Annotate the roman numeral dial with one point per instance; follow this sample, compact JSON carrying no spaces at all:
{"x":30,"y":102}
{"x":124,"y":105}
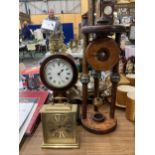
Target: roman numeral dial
{"x":59,"y":73}
{"x":60,"y":126}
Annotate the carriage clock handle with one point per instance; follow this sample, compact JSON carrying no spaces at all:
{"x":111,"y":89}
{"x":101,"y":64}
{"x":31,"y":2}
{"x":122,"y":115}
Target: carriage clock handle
{"x":60,"y":100}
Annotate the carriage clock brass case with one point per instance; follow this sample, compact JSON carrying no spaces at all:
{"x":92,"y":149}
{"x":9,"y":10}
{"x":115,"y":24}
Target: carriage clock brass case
{"x":59,"y":126}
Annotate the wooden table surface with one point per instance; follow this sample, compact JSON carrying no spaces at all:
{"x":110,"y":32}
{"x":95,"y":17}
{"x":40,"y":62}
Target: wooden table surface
{"x":119,"y":142}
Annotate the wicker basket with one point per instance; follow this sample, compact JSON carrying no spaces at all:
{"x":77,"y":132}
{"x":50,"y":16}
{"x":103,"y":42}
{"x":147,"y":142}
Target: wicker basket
{"x":130,"y":106}
{"x":121,"y":95}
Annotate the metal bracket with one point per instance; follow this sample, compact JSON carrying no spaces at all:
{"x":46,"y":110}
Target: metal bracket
{"x":115,"y":77}
{"x":85,"y":79}
{"x":95,"y":74}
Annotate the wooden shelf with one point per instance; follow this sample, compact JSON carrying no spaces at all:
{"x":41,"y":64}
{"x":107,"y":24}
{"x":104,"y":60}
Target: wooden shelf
{"x":129,"y":6}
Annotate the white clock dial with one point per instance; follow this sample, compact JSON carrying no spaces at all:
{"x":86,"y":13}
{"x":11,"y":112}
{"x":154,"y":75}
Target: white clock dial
{"x":58,"y":73}
{"x":107,"y":10}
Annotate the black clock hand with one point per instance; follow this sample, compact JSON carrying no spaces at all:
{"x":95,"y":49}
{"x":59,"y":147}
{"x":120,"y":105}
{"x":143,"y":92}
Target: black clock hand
{"x":60,"y":72}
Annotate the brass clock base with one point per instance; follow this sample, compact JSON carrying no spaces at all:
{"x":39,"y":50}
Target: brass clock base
{"x":60,"y":146}
{"x":104,"y":127}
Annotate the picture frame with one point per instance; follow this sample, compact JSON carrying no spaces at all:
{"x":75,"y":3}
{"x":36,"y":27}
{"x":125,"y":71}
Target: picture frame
{"x":48,"y":25}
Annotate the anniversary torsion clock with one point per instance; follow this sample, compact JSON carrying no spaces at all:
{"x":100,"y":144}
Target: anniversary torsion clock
{"x":58,"y":73}
{"x":102,"y":54}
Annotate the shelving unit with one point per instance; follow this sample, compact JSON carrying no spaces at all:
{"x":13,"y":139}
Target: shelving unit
{"x":126,"y":9}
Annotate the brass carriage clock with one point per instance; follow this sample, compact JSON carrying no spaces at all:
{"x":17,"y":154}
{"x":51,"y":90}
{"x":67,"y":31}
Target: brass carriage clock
{"x":58,"y":72}
{"x":102,"y":53}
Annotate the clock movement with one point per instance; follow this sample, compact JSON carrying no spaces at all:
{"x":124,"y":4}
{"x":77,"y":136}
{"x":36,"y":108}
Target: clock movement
{"x":58,"y":73}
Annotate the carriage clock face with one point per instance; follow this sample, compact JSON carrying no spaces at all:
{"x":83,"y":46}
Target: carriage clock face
{"x":58,"y":72}
{"x":60,"y":126}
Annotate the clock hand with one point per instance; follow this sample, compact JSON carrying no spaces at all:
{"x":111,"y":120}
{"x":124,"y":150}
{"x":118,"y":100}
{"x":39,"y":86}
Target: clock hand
{"x":60,"y":72}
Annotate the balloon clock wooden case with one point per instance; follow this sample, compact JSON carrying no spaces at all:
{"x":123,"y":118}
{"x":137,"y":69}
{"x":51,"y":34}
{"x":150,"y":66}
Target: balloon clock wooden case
{"x":102,"y":53}
{"x":58,"y":72}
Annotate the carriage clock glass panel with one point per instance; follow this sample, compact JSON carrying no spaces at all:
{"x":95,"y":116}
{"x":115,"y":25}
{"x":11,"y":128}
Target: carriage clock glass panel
{"x":58,"y":73}
{"x":66,"y":121}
